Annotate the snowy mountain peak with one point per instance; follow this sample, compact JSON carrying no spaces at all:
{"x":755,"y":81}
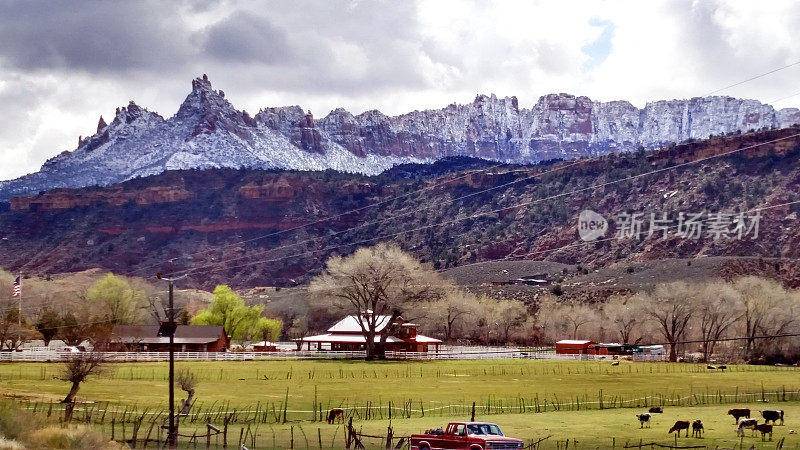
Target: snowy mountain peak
{"x":209,"y":132}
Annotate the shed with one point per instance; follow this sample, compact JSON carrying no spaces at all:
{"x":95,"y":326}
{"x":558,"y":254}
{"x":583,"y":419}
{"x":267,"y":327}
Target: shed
{"x":154,"y":338}
{"x":574,"y":347}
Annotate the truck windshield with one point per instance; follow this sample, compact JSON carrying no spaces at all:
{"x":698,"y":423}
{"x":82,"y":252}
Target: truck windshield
{"x":484,"y":429}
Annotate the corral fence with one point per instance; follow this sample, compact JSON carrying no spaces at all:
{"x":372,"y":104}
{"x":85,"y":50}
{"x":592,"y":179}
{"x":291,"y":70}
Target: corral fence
{"x":462,"y":353}
{"x":220,"y":426}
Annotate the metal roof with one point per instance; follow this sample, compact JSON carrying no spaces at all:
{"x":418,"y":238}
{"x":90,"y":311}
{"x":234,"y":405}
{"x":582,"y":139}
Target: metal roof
{"x":149,"y":334}
{"x":360,"y":339}
{"x":350,"y":324}
{"x":574,"y":342}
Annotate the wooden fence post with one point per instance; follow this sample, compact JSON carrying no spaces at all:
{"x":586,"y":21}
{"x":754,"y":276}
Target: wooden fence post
{"x":225,"y":432}
{"x":388,"y":438}
{"x":348,"y":434}
{"x":472,"y":417}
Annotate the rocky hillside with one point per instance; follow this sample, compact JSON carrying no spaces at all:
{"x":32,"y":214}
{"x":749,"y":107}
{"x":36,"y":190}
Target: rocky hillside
{"x":269,"y":227}
{"x":208,"y":132}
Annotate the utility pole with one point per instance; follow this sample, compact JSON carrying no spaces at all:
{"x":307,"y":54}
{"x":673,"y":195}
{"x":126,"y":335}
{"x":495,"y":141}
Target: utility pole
{"x":169,"y":327}
{"x":19,"y":312}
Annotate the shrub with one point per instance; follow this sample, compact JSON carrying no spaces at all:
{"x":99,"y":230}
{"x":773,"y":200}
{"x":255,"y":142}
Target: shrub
{"x":14,"y":421}
{"x":6,"y":444}
{"x":75,"y":437}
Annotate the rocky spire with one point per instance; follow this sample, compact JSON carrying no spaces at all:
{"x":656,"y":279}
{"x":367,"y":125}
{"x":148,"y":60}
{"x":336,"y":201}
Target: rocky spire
{"x":101,"y":124}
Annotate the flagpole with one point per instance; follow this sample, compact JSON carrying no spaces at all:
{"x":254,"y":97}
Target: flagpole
{"x":19,"y":312}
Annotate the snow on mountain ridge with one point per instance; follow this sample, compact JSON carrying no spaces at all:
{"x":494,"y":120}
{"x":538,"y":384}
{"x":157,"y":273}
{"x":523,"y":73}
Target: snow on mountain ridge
{"x":208,"y":132}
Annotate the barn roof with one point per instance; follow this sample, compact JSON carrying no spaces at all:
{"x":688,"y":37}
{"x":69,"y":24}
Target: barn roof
{"x":360,"y":339}
{"x":150,"y":334}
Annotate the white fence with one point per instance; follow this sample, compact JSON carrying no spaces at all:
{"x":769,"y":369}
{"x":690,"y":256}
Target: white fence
{"x":462,"y":353}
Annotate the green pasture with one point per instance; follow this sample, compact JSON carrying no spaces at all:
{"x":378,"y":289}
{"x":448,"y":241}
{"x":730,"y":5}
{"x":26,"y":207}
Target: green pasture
{"x":593,"y":403}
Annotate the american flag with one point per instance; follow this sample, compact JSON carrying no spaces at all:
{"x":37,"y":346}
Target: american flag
{"x":17,"y":288}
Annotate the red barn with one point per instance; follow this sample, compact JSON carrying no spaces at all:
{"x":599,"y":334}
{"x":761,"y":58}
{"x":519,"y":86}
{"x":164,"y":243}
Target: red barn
{"x":347,"y":335}
{"x":574,"y":347}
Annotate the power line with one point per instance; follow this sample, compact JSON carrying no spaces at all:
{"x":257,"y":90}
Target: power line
{"x":326,"y":219}
{"x":386,"y":219}
{"x":498,"y":210}
{"x":753,"y":78}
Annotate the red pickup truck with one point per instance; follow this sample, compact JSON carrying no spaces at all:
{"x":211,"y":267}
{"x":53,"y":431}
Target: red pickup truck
{"x":464,"y":435}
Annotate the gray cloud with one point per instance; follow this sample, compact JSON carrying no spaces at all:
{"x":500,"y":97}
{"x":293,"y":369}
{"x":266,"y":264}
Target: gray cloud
{"x":96,"y":37}
{"x":247,"y":39}
{"x":63,"y":63}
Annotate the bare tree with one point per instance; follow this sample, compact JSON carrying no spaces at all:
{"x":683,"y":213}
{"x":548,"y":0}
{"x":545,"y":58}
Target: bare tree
{"x":298,"y":330}
{"x":766,"y":309}
{"x":14,"y":329}
{"x":375,"y":285}
{"x":78,"y":368}
{"x":625,"y":314}
{"x":507,"y":315}
{"x":447,"y":316}
{"x":558,"y":318}
{"x":187,"y":382}
{"x":717,"y":312}
{"x":671,"y":308}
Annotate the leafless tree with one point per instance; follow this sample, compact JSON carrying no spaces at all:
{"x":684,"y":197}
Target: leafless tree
{"x":625,"y":314}
{"x":375,"y":284}
{"x":78,"y":368}
{"x":717,"y":312}
{"x":767,"y":309}
{"x":298,"y":330}
{"x":671,"y":308}
{"x":187,"y":382}
{"x":558,"y":318}
{"x":447,"y":316}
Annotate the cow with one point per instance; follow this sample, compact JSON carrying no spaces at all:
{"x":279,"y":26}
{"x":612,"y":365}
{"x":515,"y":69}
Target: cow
{"x":644,"y":419}
{"x":746,"y":423}
{"x":697,"y":428}
{"x":765,"y":429}
{"x":335,"y":413}
{"x":656,"y":410}
{"x":738,"y":413}
{"x":680,"y":425}
{"x":772,"y":416}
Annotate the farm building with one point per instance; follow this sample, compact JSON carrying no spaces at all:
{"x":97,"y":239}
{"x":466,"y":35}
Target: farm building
{"x":574,"y":347}
{"x":265,"y":346}
{"x":346,"y":335}
{"x":155,"y":338}
{"x":612,"y":349}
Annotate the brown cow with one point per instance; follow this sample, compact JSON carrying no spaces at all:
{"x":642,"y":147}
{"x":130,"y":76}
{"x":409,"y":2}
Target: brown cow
{"x":656,"y":410}
{"x":765,"y":429}
{"x":697,"y":428}
{"x":738,"y":413}
{"x":335,"y":413}
{"x":680,"y":425}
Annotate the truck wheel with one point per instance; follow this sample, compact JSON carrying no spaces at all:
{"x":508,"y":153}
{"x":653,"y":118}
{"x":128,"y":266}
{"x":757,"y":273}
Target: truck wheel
{"x":424,"y":447}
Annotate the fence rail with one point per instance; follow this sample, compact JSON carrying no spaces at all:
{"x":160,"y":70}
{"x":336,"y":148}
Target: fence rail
{"x":461,"y":354}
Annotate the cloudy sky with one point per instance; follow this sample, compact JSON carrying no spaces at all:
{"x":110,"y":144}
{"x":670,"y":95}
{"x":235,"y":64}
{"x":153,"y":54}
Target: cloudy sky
{"x":64,"y":63}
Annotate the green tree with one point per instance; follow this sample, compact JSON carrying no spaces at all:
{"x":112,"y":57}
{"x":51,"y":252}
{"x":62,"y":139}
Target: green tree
{"x":242,"y":323}
{"x":47,"y":325}
{"x":269,"y":329}
{"x":113,"y":299}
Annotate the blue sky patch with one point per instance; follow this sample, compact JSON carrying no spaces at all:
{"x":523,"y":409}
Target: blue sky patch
{"x":599,"y":49}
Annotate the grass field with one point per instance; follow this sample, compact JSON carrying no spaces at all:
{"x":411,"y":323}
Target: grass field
{"x":529,"y":399}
